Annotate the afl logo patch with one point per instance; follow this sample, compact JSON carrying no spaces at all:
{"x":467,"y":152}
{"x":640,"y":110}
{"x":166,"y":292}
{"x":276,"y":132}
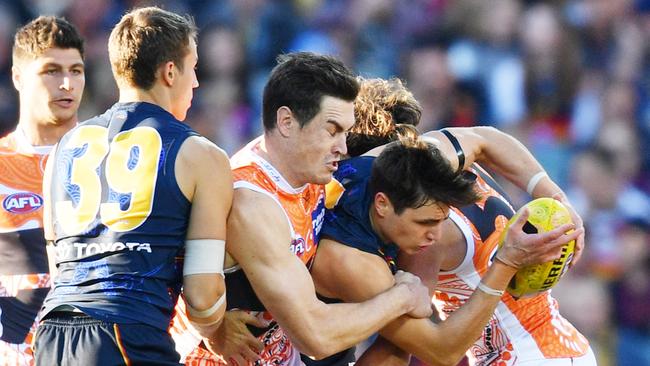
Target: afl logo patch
{"x":22,"y":202}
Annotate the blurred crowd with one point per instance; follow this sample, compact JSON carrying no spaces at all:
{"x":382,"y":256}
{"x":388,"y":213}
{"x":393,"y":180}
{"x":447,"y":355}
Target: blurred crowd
{"x":569,"y":78}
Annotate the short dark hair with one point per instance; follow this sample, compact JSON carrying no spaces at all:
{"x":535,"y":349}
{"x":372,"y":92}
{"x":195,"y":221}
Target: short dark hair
{"x":300,"y":81}
{"x":381,"y":106}
{"x":146,"y":38}
{"x":412,"y":173}
{"x":43,"y":33}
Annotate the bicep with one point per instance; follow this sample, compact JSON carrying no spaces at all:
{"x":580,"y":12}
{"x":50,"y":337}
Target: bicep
{"x":259,"y":238}
{"x":212,"y":191}
{"x":470,"y":142}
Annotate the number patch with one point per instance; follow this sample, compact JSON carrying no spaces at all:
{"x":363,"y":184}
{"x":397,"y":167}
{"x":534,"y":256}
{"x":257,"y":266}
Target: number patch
{"x":130,"y":172}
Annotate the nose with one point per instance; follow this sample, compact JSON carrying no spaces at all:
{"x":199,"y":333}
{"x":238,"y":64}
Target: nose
{"x":65,"y":84}
{"x":341,"y":146}
{"x":434,"y":234}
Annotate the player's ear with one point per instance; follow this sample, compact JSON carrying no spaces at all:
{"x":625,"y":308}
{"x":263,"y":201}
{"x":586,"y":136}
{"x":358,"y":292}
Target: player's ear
{"x":15,"y":77}
{"x":382,"y":204}
{"x":285,"y":121}
{"x":167,"y":73}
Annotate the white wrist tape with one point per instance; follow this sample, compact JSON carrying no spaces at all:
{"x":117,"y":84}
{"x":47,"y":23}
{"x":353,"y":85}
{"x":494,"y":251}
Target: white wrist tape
{"x":202,"y":314}
{"x":534,"y":180}
{"x":489,"y":290}
{"x":204,"y":256}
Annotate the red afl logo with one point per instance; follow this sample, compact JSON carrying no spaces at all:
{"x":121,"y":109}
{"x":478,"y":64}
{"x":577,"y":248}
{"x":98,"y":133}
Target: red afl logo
{"x":22,"y":202}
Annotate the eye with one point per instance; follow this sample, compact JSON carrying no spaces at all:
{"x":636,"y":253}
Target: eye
{"x":77,"y":72}
{"x":51,"y":71}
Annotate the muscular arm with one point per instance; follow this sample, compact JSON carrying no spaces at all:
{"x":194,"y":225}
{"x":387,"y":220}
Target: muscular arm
{"x":359,"y":277}
{"x":258,"y":238}
{"x":204,"y":176}
{"x":510,"y":158}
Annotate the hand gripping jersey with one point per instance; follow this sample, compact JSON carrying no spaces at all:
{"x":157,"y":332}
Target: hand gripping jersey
{"x":304,"y":210}
{"x":520,"y":330}
{"x":24,"y":277}
{"x":119,"y":217}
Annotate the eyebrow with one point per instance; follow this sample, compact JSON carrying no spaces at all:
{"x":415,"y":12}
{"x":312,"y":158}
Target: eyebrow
{"x":56,"y":64}
{"x":425,"y":221}
{"x":338,"y":125}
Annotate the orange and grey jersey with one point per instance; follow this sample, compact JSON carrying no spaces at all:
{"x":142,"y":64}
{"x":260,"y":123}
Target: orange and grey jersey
{"x":24,"y":277}
{"x":521,"y":330}
{"x":304,"y":210}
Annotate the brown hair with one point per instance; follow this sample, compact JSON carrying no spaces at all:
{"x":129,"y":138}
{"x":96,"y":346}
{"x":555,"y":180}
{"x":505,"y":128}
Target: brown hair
{"x":43,"y":33}
{"x":146,"y":38}
{"x":379,"y":108}
{"x":413,"y":173}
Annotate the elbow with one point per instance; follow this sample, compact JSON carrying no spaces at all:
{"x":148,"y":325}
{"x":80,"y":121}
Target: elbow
{"x":202,"y":291}
{"x":317,"y":346}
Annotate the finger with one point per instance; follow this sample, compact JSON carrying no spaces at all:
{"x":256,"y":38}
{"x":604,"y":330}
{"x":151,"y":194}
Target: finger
{"x":577,"y":254}
{"x":562,"y":239}
{"x":235,"y":361}
{"x":554,"y":248}
{"x":255,"y":344}
{"x":255,"y":321}
{"x":557,"y":233}
{"x":518,"y":225}
{"x":249,"y":355}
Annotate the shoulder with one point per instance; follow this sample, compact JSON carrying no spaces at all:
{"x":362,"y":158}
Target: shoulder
{"x":199,"y":152}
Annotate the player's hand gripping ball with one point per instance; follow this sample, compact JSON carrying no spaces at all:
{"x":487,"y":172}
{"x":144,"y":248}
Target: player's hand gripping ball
{"x":545,"y":215}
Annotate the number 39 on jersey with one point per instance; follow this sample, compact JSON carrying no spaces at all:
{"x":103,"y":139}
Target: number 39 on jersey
{"x":129,"y":175}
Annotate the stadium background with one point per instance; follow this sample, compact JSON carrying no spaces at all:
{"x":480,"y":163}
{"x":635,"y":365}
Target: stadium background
{"x":569,"y":78}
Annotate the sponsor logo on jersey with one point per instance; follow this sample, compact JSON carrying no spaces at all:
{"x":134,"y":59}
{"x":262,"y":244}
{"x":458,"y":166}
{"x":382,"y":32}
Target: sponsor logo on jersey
{"x":298,"y":245}
{"x":67,"y":250}
{"x":22,"y":202}
{"x":317,"y":218}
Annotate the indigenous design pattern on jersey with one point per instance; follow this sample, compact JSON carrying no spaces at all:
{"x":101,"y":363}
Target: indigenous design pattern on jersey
{"x":520,"y":330}
{"x":348,"y":200}
{"x":304,"y":209}
{"x":119,"y":217}
{"x":24,"y":277}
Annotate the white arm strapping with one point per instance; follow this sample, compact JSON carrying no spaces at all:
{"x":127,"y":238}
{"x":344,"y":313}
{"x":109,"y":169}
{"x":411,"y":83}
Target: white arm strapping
{"x":204,"y":256}
{"x":202,"y":314}
{"x":534,"y":180}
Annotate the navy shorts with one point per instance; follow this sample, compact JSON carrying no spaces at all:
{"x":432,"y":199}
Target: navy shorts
{"x":68,"y":339}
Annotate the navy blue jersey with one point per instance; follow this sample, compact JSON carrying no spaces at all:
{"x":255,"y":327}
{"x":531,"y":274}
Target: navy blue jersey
{"x":347,"y":219}
{"x":119,"y":217}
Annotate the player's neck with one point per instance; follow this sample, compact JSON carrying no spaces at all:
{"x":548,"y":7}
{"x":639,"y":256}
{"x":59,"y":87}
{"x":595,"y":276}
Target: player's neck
{"x":274,"y":152}
{"x":44,"y":134}
{"x":153,"y":96}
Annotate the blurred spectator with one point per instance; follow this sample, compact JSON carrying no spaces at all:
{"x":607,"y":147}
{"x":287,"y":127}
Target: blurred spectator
{"x":570,"y":78}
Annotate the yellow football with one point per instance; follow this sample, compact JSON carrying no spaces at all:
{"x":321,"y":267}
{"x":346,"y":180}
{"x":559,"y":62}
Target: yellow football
{"x":546,"y":214}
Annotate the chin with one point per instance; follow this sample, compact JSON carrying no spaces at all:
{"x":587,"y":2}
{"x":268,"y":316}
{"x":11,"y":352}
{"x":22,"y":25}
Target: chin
{"x":323,"y":179}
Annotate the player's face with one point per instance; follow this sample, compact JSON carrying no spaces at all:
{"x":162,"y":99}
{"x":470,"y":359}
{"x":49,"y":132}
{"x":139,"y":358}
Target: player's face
{"x":416,"y":229}
{"x":183,"y":89}
{"x":51,"y":86}
{"x":321,"y":142}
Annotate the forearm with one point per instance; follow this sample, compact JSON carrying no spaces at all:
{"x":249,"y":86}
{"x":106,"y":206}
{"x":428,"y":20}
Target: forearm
{"x":446,"y":343}
{"x":330,"y":328}
{"x":507,"y":156}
